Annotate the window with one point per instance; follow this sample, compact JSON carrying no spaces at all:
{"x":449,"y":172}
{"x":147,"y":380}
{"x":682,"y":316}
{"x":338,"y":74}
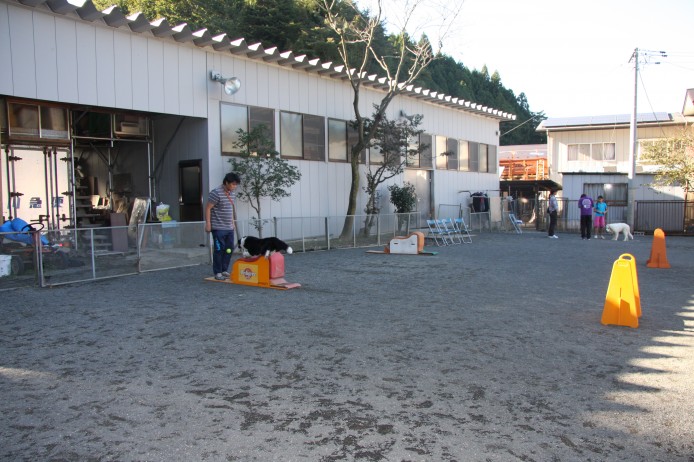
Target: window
{"x":291,"y":134}
{"x":235,"y":117}
{"x":473,"y":156}
{"x":421,"y":159}
{"x":302,"y":136}
{"x":337,"y":140}
{"x":614,"y":193}
{"x":483,"y":154}
{"x":452,"y":153}
{"x":375,"y":156}
{"x":492,"y":164}
{"x":31,"y":121}
{"x":440,"y":152}
{"x":352,"y":140}
{"x":464,"y":156}
{"x":597,"y":152}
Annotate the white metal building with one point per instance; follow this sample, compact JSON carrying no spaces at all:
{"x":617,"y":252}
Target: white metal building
{"x":124,"y":107}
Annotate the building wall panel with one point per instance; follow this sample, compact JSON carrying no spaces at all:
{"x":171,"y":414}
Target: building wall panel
{"x":105,"y":67}
{"x":170,"y":80}
{"x":45,"y":56}
{"x":155,"y":76}
{"x":66,"y":65}
{"x":123,"y":70}
{"x":5,"y":50}
{"x":23,"y":63}
{"x":86,"y":64}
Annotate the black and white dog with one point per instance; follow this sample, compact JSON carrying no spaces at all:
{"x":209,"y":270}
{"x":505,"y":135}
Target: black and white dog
{"x":252,"y":246}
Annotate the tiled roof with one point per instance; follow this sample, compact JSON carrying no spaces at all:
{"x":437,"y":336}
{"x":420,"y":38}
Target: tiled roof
{"x":114,"y":17}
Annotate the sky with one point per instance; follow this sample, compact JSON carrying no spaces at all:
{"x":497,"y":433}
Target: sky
{"x":570,"y":58}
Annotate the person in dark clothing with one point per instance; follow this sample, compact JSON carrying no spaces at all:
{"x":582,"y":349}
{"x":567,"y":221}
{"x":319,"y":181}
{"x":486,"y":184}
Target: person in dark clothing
{"x":585,"y":204}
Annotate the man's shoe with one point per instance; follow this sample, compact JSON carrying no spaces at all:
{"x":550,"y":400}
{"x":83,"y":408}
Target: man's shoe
{"x":595,"y":237}
{"x":219,"y":277}
{"x":226,"y":274}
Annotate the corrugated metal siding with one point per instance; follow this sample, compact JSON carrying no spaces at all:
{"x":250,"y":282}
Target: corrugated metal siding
{"x":63,"y":58}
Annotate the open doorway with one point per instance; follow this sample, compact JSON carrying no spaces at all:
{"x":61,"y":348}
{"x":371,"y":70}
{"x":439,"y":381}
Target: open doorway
{"x":190,"y":190}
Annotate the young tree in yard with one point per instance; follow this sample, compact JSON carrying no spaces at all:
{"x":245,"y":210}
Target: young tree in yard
{"x":391,"y":150}
{"x":263,"y":173}
{"x":674,"y":157}
{"x":404,"y":198}
{"x":356,"y":33}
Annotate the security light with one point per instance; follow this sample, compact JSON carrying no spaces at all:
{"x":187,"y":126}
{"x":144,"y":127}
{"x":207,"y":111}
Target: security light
{"x":231,"y":84}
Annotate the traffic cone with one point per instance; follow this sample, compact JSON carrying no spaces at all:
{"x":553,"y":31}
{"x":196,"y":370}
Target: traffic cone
{"x":658,"y":253}
{"x":623,"y":301}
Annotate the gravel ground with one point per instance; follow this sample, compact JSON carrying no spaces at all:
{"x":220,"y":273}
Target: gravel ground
{"x":486,"y":352}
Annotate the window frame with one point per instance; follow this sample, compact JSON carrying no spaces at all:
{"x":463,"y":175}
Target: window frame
{"x":615,"y":194}
{"x":584,"y":152}
{"x":252,"y":120}
{"x":313,"y":145}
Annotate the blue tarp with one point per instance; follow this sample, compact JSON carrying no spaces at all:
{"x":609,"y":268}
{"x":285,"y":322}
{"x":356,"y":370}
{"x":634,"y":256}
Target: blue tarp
{"x":20,"y":228}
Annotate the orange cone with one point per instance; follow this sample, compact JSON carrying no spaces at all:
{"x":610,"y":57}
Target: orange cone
{"x":622,"y":302}
{"x":658,"y":253}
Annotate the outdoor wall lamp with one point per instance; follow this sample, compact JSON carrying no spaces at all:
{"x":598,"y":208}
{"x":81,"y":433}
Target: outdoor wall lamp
{"x":231,"y":84}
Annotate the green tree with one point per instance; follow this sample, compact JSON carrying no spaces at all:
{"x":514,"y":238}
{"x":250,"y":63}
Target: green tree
{"x":264,"y":174}
{"x":404,"y":198}
{"x":391,"y":140}
{"x":675,"y":159}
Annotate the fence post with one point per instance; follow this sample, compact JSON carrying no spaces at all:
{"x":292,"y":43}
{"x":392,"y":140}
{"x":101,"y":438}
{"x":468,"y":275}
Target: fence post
{"x":378,"y":229}
{"x":91,"y":247}
{"x":38,"y":257}
{"x":274,"y":224}
{"x":327,"y":231}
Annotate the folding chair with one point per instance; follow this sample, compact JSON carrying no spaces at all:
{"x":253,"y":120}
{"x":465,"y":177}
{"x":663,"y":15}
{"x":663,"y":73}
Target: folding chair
{"x":462,"y":228}
{"x":449,"y":228}
{"x":515,"y":222}
{"x":436,"y":233}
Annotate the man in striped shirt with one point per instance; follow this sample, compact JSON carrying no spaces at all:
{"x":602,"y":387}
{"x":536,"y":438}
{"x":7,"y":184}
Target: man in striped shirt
{"x":219,"y":220}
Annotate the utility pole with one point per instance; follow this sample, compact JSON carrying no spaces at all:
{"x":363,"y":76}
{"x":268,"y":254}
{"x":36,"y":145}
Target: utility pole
{"x":633,"y":146}
{"x":633,"y":138}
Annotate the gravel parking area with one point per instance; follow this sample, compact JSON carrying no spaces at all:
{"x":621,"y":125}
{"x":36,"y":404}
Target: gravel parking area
{"x":492,"y":351}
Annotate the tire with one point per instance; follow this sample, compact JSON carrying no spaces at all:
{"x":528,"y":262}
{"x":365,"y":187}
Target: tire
{"x":16,"y":265}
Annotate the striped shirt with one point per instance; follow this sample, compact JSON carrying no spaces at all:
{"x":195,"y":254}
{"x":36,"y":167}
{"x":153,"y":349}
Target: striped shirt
{"x":222,"y":214}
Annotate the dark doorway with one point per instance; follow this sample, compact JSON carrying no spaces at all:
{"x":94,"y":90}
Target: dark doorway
{"x":190,"y":190}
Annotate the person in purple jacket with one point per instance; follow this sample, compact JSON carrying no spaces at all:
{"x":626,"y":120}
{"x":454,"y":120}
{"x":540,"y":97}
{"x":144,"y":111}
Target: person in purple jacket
{"x":585,"y":203}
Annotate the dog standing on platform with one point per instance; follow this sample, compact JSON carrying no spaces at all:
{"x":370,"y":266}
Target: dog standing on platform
{"x":618,"y":228}
{"x":252,"y":246}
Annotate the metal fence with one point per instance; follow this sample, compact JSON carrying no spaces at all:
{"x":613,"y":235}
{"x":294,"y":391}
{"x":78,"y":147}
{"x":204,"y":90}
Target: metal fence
{"x":673,"y":217}
{"x":69,"y":256}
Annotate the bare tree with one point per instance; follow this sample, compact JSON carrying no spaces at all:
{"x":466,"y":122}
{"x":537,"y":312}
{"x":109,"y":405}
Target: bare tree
{"x":355,"y":37}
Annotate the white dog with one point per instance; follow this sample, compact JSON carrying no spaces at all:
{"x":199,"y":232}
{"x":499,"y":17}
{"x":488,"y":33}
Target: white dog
{"x":617,"y":228}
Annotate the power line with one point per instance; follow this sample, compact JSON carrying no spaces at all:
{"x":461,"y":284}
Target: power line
{"x":520,"y":125}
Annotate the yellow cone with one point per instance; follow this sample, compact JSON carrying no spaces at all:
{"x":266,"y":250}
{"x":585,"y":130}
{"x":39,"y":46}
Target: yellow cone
{"x":623,"y":301}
